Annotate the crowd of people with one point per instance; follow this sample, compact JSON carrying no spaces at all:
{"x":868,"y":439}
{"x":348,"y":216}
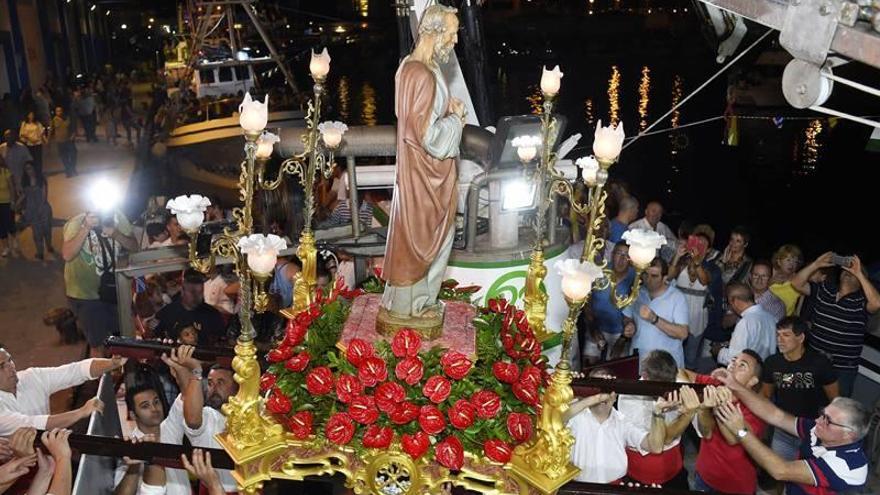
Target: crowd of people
{"x":776,"y":343}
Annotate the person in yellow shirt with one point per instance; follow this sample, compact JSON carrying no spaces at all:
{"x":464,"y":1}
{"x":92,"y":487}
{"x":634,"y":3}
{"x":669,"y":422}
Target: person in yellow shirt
{"x":787,"y":260}
{"x":7,"y":199}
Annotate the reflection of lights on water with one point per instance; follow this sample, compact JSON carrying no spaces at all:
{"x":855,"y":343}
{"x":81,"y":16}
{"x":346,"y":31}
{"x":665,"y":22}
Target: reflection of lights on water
{"x":812,"y":146}
{"x":535,"y":99}
{"x":614,"y":95}
{"x":344,"y":99}
{"x":588,"y":111}
{"x":368,"y":97}
{"x":363,"y":7}
{"x":676,"y":97}
{"x":644,"y":90}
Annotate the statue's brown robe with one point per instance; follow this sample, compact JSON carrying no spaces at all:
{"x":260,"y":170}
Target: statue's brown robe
{"x":425,"y":195}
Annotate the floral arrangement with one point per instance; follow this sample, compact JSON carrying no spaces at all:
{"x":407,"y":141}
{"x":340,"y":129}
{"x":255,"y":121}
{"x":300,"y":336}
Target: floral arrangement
{"x":439,"y":403}
{"x":450,"y":290}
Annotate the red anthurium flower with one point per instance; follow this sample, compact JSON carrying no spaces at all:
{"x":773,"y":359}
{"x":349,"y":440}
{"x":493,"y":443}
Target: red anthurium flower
{"x":388,"y":396}
{"x":461,"y":414}
{"x":315,"y":309}
{"x":319,"y":381}
{"x":267,"y":381}
{"x":298,"y":362}
{"x":437,"y":389}
{"x":406,"y":343}
{"x":358,"y":351}
{"x":431,"y":420}
{"x":526,"y":392}
{"x":410,"y":370}
{"x":455,"y":364}
{"x":303,"y":319}
{"x":404,"y":413}
{"x":498,"y":450}
{"x":450,"y":453}
{"x":339,"y":428}
{"x":347,"y":387}
{"x":378,"y":437}
{"x":363,"y":409}
{"x":505,"y":372}
{"x":519,"y":425}
{"x":282,"y":353}
{"x":377,"y":270}
{"x":278,"y":403}
{"x":301,"y":424}
{"x":295,"y":332}
{"x":498,"y":305}
{"x":373,"y":371}
{"x":532,"y":375}
{"x":487,"y":403}
{"x":415,"y":445}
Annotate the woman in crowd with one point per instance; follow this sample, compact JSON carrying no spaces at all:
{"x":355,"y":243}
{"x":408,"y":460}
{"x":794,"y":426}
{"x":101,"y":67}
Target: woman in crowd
{"x":735,"y":264}
{"x":7,"y":218}
{"x":34,"y":136}
{"x":36,"y":209}
{"x":787,"y":260}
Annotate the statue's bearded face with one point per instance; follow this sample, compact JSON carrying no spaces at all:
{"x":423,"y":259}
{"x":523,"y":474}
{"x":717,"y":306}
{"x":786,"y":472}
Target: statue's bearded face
{"x":447,"y":40}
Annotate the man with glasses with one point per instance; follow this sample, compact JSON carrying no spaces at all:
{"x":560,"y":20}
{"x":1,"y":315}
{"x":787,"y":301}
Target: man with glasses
{"x":832,"y":459}
{"x":659,"y":314}
{"x":759,"y":280}
{"x":605,"y":319}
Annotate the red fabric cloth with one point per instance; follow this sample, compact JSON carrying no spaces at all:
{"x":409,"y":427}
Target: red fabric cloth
{"x":728,"y":468}
{"x":654,"y":468}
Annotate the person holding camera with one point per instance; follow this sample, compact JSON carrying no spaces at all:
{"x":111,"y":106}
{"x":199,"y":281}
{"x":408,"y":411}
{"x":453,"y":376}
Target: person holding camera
{"x":91,"y":244}
{"x":841,"y":307}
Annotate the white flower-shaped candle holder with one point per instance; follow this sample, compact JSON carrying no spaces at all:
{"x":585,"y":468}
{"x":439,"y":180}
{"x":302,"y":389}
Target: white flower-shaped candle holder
{"x":331,"y":133}
{"x":262,"y":252}
{"x":526,"y":147}
{"x":253,"y":114}
{"x":577,"y":278}
{"x":551,"y":80}
{"x":643,"y":246}
{"x":590,"y":168}
{"x":607,"y":143}
{"x":319,"y":65}
{"x":266,"y":145}
{"x":190,"y":210}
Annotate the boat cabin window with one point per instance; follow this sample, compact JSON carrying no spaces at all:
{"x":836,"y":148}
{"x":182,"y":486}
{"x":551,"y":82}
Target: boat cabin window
{"x":242,"y":73}
{"x":206,"y":76}
{"x":225,"y":74}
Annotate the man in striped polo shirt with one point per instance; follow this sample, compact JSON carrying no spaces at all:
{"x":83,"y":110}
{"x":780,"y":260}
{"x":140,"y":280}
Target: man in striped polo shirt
{"x":841,"y":307}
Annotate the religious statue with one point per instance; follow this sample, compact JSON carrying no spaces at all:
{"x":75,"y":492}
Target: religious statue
{"x":421,"y":229}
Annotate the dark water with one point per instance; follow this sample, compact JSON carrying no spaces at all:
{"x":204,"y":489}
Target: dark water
{"x":804,"y":181}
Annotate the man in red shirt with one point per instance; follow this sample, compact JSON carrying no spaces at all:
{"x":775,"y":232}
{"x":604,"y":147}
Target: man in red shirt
{"x":723,"y":466}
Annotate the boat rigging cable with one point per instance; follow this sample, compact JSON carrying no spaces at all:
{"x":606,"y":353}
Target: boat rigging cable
{"x":700,"y":88}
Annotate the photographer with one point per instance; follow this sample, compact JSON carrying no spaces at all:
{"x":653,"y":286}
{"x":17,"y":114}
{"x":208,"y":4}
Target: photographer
{"x":92,"y":242}
{"x":841,"y":307}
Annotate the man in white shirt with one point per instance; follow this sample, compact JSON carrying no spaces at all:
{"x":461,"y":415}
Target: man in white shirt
{"x":756,"y":329}
{"x":24,"y":395}
{"x":665,"y":468}
{"x":651,"y":221}
{"x":201,"y":421}
{"x":146,"y":409}
{"x":601,"y":435}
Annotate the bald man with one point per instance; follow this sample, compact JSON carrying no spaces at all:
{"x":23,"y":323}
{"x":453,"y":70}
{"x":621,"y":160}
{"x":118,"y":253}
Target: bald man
{"x":756,"y":328}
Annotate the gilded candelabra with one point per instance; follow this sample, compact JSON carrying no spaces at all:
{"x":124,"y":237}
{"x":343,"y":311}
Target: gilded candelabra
{"x":545,"y":460}
{"x":253,"y":438}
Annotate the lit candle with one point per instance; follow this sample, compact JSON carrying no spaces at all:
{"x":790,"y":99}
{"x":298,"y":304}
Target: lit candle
{"x":590,"y":168}
{"x":254,"y":114}
{"x":577,"y":278}
{"x":643,"y":246}
{"x":262,"y":252}
{"x":319,"y":65}
{"x":608,"y":142}
{"x":266,"y":144}
{"x":189,"y":210}
{"x":550,"y":81}
{"x":331,"y":133}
